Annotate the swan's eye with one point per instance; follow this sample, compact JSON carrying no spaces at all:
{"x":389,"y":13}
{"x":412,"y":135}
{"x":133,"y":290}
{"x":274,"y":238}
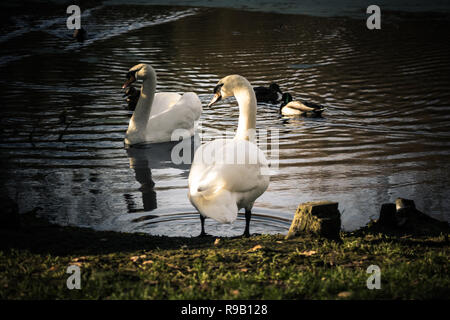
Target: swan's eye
{"x":131,"y":74}
{"x":218,"y":88}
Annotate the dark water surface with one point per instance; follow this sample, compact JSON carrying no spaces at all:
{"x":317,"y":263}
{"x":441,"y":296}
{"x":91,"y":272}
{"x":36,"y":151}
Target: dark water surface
{"x":385,"y":132}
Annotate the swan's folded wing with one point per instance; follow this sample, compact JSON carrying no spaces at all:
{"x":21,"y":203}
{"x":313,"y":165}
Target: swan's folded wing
{"x":234,"y":165}
{"x":191,"y":100}
{"x":182,"y":113}
{"x":164,"y":101}
{"x":174,"y":121}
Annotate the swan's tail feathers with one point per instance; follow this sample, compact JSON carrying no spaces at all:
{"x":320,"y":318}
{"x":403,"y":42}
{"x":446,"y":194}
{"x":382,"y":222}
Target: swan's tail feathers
{"x":219,"y":204}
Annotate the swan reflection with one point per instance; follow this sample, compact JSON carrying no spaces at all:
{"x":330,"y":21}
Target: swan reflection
{"x":144,"y":158}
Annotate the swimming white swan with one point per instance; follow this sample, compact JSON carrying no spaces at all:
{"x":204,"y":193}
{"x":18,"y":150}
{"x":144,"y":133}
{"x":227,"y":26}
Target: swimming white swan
{"x":229,"y":174}
{"x":157,"y":116}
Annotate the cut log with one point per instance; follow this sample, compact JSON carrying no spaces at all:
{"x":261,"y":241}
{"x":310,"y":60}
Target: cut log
{"x":387,"y":215}
{"x":405,"y":210}
{"x":403,"y":217}
{"x":320,"y":218}
{"x":409,"y":218}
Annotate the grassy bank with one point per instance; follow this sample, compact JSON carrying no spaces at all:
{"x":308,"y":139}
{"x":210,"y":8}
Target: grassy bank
{"x":34,"y":259}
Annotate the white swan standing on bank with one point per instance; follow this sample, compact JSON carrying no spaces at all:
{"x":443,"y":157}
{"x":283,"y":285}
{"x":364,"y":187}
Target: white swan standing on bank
{"x":229,"y":174}
{"x":158,"y":115}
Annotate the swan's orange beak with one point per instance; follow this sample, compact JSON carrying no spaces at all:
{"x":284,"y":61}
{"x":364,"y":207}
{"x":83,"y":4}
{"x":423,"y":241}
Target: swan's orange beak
{"x":217,"y":97}
{"x":129,"y":81}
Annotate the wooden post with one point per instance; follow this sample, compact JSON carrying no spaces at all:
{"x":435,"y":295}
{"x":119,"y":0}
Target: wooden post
{"x":387,"y":215}
{"x":320,"y":218}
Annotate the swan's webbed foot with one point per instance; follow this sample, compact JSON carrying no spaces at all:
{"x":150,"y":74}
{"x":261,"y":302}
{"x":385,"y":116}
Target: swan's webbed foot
{"x":203,"y":235}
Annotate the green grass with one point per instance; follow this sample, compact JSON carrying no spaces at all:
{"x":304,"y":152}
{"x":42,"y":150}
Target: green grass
{"x":34,"y":259}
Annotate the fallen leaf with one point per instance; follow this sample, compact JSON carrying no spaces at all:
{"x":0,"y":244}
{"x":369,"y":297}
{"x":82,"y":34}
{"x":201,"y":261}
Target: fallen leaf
{"x":255,"y":248}
{"x":244,"y":269}
{"x":344,"y":294}
{"x":217,"y":242}
{"x":135,"y":258}
{"x":79,"y":259}
{"x":76,"y":264}
{"x":147,"y":262}
{"x":307,"y":253}
{"x":235,"y":292}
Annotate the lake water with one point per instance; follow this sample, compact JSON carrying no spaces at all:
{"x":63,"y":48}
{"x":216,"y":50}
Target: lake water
{"x":385,"y":132}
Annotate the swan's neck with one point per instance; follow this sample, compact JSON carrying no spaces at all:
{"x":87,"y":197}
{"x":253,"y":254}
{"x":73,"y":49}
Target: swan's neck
{"x":247,"y":113}
{"x":141,"y":115}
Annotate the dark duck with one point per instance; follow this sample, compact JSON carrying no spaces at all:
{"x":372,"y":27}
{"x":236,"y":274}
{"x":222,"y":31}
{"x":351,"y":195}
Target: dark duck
{"x":272,"y":94}
{"x":80,"y":34}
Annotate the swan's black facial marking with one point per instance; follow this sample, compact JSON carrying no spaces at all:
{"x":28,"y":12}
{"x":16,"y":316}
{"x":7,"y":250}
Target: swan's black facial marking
{"x":218,"y":88}
{"x":217,"y":94}
{"x":131,"y":74}
{"x":131,"y":77}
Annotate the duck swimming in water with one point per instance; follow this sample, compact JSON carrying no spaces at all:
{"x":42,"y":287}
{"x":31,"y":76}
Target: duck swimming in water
{"x":289,"y":107}
{"x":272,"y":94}
{"x":80,"y":34}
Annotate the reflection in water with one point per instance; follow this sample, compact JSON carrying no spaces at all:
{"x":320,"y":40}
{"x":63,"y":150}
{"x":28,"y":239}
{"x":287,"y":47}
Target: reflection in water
{"x":144,"y":177}
{"x":145,"y":157}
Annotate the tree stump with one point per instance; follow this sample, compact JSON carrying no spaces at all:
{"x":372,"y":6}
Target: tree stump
{"x":387,"y":215}
{"x":320,"y":218}
{"x":405,"y":218}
